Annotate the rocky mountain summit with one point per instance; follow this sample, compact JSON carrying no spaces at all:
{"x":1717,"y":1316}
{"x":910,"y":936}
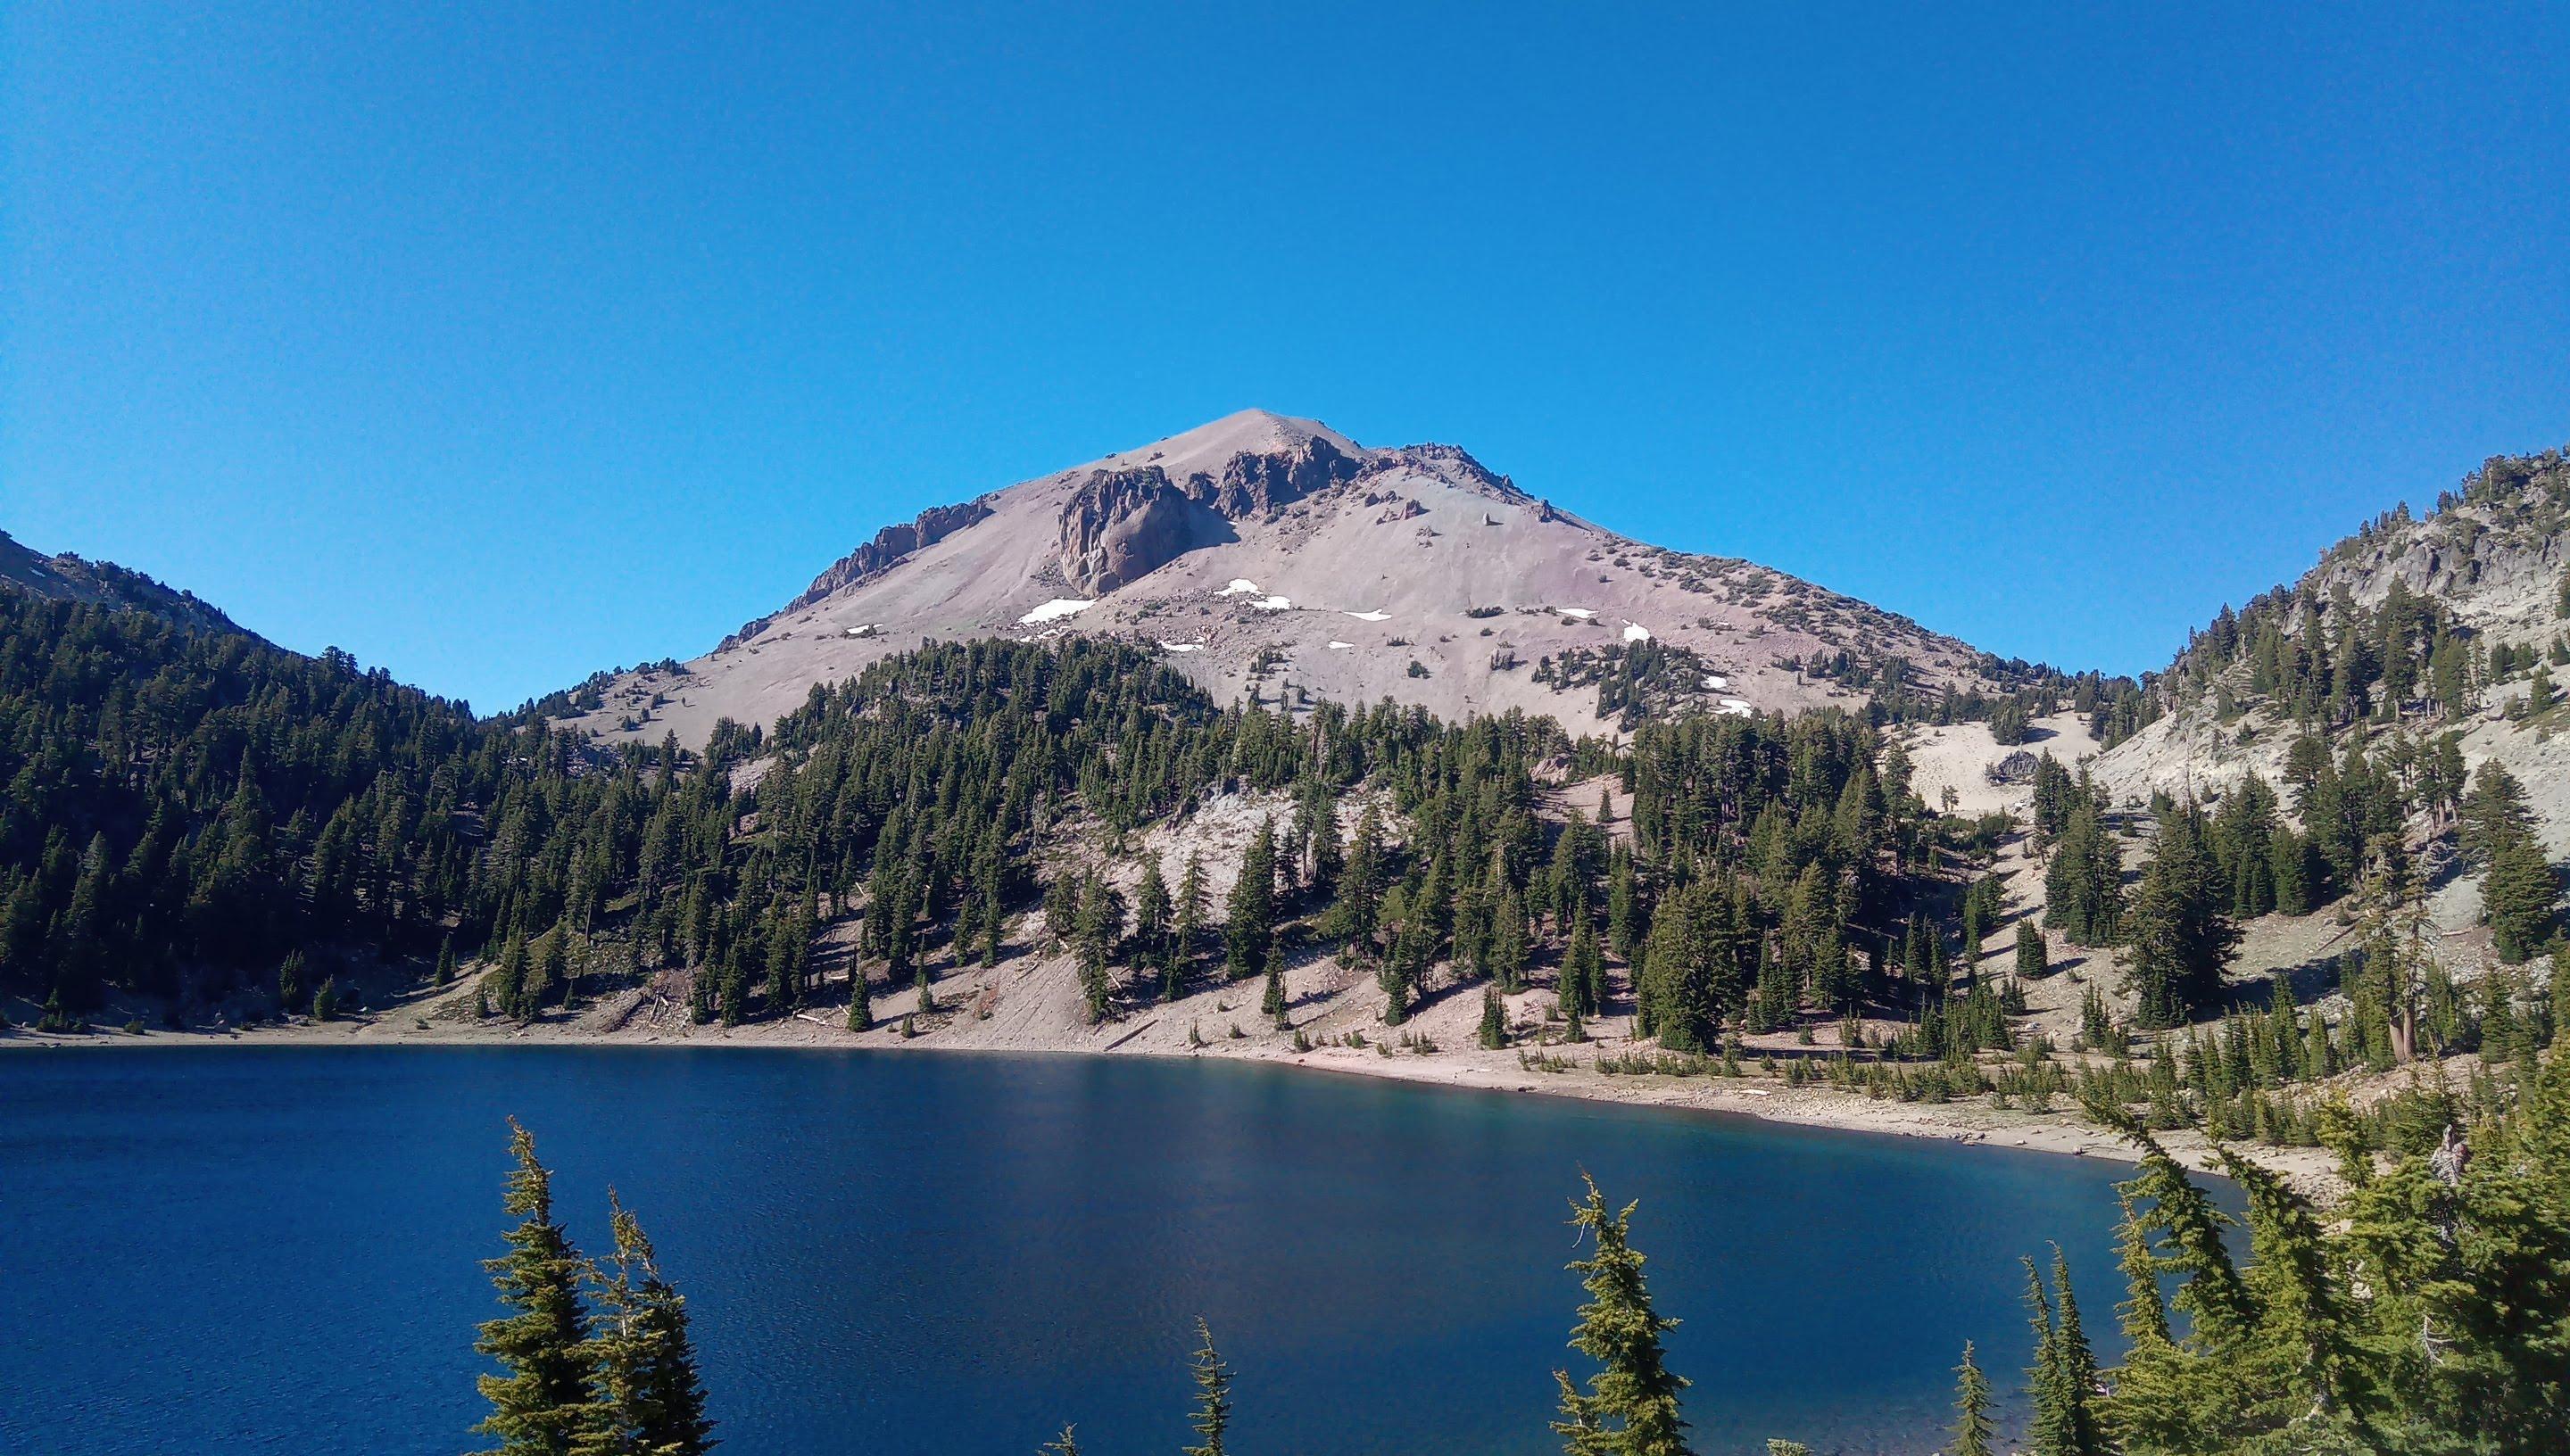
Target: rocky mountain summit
{"x":1276,"y":556}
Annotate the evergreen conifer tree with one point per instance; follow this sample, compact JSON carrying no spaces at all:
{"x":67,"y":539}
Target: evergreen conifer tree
{"x":541,"y":1402}
{"x":290,"y":982}
{"x":1630,"y":1407}
{"x":2520,"y":895}
{"x":1251,"y":923}
{"x":2032,"y":958}
{"x":1971,"y":1407}
{"x":861,"y":1000}
{"x":1272,"y":1001}
{"x":1214,"y":1396}
{"x":648,"y":1400}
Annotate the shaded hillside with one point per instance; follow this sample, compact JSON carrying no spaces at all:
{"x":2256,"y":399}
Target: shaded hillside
{"x":67,"y":577}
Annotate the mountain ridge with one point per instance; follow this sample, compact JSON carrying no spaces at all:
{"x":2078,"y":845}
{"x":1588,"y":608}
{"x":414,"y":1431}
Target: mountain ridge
{"x":1267,"y":554}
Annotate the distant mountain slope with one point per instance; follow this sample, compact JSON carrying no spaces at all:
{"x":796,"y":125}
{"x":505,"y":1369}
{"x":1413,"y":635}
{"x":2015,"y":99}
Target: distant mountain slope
{"x":1262,"y":553}
{"x":68,"y":577}
{"x":2435,"y":623}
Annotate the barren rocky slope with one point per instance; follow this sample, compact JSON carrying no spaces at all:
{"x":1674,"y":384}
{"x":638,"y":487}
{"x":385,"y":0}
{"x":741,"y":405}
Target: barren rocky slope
{"x":1272,"y":554}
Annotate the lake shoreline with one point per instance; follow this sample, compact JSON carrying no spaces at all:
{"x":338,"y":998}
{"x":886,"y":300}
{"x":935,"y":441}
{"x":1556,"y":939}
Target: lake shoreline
{"x":1964,"y":1124}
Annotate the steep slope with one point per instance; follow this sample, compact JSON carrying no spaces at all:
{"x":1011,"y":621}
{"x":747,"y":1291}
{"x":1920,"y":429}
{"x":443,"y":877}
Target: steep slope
{"x":68,"y":577}
{"x":1263,"y":553}
{"x":2426,"y":624}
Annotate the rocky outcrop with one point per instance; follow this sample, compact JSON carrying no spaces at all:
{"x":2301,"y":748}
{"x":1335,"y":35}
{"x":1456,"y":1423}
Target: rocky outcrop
{"x":1262,"y":485}
{"x":888,"y":546}
{"x":1121,"y":525}
{"x":1448,"y":462}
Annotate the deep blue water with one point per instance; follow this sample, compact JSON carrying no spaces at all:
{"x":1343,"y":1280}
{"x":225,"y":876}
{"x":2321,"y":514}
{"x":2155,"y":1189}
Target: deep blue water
{"x":274,"y":1250}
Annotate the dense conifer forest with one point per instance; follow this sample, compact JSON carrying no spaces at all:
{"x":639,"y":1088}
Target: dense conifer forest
{"x":213,"y":822}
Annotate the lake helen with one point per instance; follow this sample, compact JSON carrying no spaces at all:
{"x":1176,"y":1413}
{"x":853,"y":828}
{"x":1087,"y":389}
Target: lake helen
{"x":214,"y":1249}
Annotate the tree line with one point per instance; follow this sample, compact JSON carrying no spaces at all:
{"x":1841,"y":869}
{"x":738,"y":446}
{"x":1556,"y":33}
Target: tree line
{"x":216,"y":823}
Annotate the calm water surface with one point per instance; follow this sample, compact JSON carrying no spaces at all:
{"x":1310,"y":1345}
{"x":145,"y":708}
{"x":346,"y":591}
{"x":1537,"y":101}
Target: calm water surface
{"x":213,"y":1249}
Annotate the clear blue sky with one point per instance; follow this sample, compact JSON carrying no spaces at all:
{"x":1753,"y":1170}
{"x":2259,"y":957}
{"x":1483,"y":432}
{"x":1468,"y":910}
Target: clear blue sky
{"x":500,"y":347}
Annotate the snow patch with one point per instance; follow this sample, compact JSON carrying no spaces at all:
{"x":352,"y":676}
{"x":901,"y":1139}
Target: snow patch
{"x":1273,"y":604}
{"x":1636,"y":632}
{"x":1242,"y":586}
{"x":1369,"y":616}
{"x":1182,"y":646}
{"x":1581,"y":612}
{"x":1341,"y":646}
{"x":1736,"y":708}
{"x":1716,"y":681}
{"x":1054,"y":610}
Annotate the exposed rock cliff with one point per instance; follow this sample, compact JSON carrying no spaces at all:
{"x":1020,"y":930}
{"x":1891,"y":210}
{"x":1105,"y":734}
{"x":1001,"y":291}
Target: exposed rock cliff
{"x":888,"y":546}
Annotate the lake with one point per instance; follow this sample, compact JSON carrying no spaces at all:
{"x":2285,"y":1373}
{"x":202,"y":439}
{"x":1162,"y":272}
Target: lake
{"x":274,"y":1248}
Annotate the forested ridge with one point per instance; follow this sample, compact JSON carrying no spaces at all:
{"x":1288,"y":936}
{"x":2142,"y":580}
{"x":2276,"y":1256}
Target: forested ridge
{"x":207,"y":820}
{"x":2313,"y":654}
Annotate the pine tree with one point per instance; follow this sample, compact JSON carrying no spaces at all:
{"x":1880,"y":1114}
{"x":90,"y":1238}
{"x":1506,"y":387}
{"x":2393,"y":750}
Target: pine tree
{"x":290,"y":982}
{"x":2065,"y":1373}
{"x":542,"y":1401}
{"x":1272,"y":1002}
{"x":2180,"y":923}
{"x":648,"y":1400}
{"x":2079,"y":1363}
{"x":1971,"y":1407}
{"x":1152,"y":910}
{"x":1213,"y":1395}
{"x":1187,"y":926}
{"x":1583,"y":973}
{"x":2083,"y":887}
{"x":2520,"y":895}
{"x":1099,"y":924}
{"x":1251,"y":923}
{"x":861,"y":1000}
{"x":1357,"y":910}
{"x":1630,"y":1407}
{"x":1508,"y":949}
{"x":2032,"y":958}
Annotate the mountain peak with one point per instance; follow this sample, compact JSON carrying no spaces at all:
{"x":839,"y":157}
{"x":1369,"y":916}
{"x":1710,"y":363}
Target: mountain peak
{"x":1207,"y":448}
{"x":1260,"y":549}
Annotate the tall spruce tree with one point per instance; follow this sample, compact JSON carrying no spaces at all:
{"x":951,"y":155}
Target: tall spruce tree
{"x":2033,"y":959}
{"x":2180,"y":924}
{"x":648,"y":1400}
{"x":2520,"y":894}
{"x":1212,"y":1377}
{"x":539,"y":1403}
{"x":1971,"y":1407}
{"x":1251,"y":923}
{"x":1630,"y":1406}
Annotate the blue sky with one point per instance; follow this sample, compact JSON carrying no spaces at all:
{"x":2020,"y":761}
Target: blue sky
{"x":499,"y":344}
